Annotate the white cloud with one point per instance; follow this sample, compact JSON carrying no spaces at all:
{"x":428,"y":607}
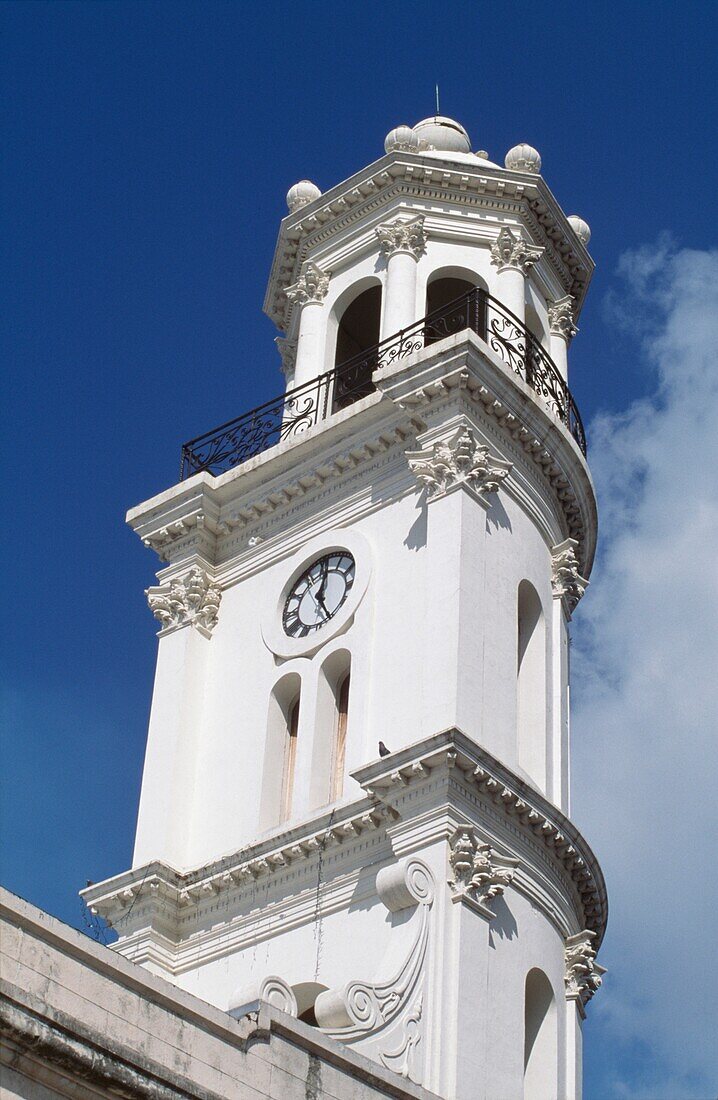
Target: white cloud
{"x":645,"y":675}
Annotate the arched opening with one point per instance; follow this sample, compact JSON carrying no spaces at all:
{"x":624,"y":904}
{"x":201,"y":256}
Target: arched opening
{"x":340,"y":738}
{"x":357,"y":337}
{"x":329,"y":752}
{"x":540,"y":1039}
{"x":445,"y":315}
{"x":535,"y":325}
{"x":531,"y":684}
{"x":280,"y":753}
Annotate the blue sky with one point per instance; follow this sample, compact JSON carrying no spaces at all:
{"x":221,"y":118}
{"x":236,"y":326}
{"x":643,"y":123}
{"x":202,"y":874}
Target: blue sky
{"x":148,"y":149}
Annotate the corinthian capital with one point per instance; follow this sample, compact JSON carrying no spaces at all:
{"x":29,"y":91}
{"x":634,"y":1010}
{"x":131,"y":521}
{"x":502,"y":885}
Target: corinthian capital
{"x":583,"y":973}
{"x":567,"y":583}
{"x":511,"y":252}
{"x":403,"y":236}
{"x":311,"y":286}
{"x":479,"y":872}
{"x":190,"y":601}
{"x":451,"y":463}
{"x":560,"y":316}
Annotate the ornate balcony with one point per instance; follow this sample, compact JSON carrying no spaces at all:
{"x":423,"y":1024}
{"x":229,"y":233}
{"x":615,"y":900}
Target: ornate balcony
{"x":292,"y":413}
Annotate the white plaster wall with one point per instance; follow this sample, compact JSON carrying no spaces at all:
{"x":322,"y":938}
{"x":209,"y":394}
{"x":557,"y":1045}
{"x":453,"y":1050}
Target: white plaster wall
{"x":433,"y":644}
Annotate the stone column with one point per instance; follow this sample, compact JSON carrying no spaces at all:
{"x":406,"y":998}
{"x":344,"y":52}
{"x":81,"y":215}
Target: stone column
{"x":513,"y":258}
{"x":403,"y":243}
{"x":309,"y":293}
{"x":563,"y":329}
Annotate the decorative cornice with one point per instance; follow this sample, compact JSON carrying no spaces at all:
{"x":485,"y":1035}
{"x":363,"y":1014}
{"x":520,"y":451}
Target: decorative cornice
{"x":510,"y":252}
{"x":452,"y":749}
{"x":456,"y":462}
{"x":583,"y":974}
{"x":403,"y":236}
{"x":192,"y":600}
{"x":560,"y":316}
{"x":311,"y":286}
{"x":173,"y":891}
{"x":567,"y":583}
{"x":479,"y":872}
{"x":288,"y":352}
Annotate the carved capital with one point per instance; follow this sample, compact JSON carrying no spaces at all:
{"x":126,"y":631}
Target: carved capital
{"x":403,"y":236}
{"x":479,"y":872}
{"x":567,"y":583}
{"x":288,"y":352}
{"x":560,"y":316}
{"x":458,"y":461}
{"x":509,"y":252}
{"x":190,"y":601}
{"x":583,"y":974}
{"x":311,"y":286}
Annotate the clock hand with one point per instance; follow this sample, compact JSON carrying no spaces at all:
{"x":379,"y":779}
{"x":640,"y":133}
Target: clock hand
{"x":322,"y":589}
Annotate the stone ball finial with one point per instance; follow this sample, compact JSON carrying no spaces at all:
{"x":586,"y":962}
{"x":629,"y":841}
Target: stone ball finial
{"x":301,"y":195}
{"x":402,"y":139}
{"x":523,"y":158}
{"x":580,"y":228}
{"x":443,"y":134}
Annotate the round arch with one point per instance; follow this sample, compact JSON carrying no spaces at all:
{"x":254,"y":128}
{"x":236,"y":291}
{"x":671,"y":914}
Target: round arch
{"x":445,"y":286}
{"x":353,"y":329}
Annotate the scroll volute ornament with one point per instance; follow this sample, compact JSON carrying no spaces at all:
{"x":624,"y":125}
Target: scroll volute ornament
{"x":583,"y":974}
{"x":458,"y":461}
{"x":480,"y":873}
{"x":192,"y":600}
{"x":311,"y":286}
{"x":566,"y":581}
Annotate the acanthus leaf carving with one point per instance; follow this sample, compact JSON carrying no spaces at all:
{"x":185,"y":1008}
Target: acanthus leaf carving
{"x":566,"y":581}
{"x":288,"y":352}
{"x":480,"y":873}
{"x":513,"y":253}
{"x":192,"y":600}
{"x":458,"y":461}
{"x":403,"y":236}
{"x":311,"y":286}
{"x":583,"y":974}
{"x":560,"y":316}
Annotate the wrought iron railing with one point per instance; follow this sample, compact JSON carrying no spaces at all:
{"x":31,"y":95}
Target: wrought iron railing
{"x":293,"y":412}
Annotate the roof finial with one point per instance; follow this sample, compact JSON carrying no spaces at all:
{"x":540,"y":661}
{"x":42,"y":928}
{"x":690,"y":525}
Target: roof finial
{"x":437,"y":102}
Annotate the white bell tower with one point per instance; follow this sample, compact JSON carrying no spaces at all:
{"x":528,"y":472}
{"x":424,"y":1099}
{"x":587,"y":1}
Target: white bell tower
{"x":356,"y":789}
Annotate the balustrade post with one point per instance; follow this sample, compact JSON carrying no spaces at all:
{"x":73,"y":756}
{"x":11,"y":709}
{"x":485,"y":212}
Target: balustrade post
{"x":562,"y":329}
{"x":403,"y":243}
{"x":309,"y":293}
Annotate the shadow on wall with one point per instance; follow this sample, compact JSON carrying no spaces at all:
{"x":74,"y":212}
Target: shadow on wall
{"x":497,"y":516}
{"x":417,"y":534}
{"x":504,"y":923}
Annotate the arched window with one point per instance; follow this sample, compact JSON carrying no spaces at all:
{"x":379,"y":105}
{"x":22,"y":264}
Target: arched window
{"x":290,"y":760}
{"x":540,"y":1039}
{"x":531,"y":684}
{"x":357,"y":337}
{"x":340,"y":738}
{"x":280,"y":752}
{"x":329,"y":750}
{"x":444,"y":317}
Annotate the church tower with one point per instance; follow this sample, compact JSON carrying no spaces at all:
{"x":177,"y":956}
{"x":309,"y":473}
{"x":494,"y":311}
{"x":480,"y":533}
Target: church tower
{"x":355,"y":801}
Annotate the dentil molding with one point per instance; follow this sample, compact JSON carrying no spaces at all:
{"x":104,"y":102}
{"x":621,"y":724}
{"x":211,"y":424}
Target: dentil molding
{"x":560,"y":316}
{"x":513,"y":253}
{"x":583,"y":974}
{"x":192,"y":600}
{"x":567,"y":583}
{"x":311,"y":286}
{"x":403,"y":236}
{"x":479,"y":872}
{"x":458,"y":462}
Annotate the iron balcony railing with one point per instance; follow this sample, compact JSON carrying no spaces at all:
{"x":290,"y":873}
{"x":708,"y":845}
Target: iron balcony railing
{"x":293,"y":412}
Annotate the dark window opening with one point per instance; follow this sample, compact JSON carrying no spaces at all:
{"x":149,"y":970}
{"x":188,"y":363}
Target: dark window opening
{"x":357,"y":337}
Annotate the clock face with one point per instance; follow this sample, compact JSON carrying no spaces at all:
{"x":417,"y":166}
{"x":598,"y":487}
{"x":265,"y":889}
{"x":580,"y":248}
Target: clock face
{"x":318,"y":594}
